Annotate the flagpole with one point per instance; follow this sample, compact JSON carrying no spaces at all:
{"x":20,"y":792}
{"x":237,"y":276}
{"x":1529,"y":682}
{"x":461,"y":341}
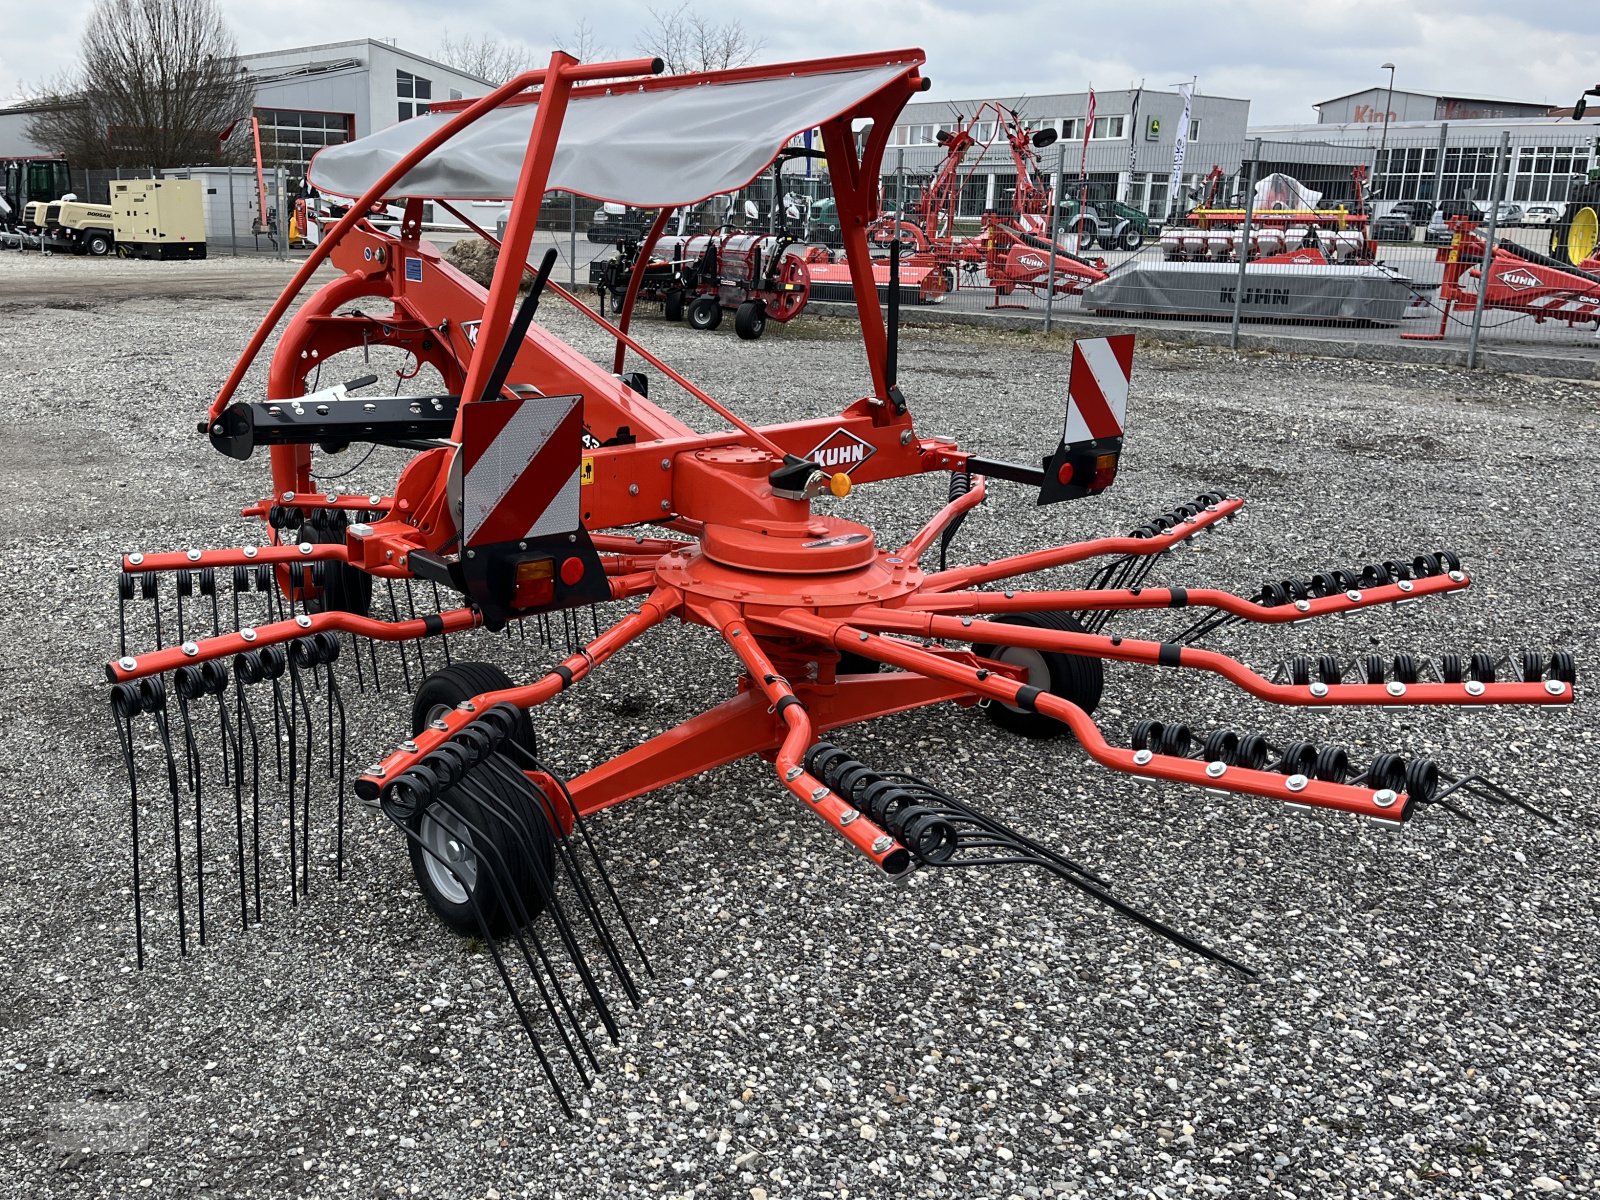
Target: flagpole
{"x":1133,"y":142}
{"x":1083,"y":175}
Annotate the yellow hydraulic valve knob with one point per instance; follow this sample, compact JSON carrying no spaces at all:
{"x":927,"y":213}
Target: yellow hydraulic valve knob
{"x":839,"y":484}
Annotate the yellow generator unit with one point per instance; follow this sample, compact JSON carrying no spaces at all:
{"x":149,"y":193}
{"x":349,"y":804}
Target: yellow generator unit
{"x":159,"y":218}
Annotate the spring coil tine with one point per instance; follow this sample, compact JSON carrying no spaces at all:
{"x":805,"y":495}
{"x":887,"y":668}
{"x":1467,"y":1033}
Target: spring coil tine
{"x":1386,"y":771}
{"x":1298,"y":670}
{"x":475,"y":786}
{"x":1253,"y":752}
{"x":1563,"y":667}
{"x":1452,"y":668}
{"x":1147,"y":735}
{"x":579,"y":824}
{"x":1331,"y":764}
{"x":567,"y":858}
{"x":1406,"y":668}
{"x":495,"y":954}
{"x":1532,"y":666}
{"x":1329,"y":669}
{"x":1422,"y":780}
{"x":1482,"y":667}
{"x":1177,"y":740}
{"x":1374,"y":668}
{"x":1297,"y":758}
{"x":1221,"y":745}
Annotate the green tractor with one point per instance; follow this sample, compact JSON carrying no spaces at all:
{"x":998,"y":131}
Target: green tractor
{"x":1107,"y":222}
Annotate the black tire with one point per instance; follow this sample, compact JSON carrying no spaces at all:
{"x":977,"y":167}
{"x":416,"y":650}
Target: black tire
{"x":1132,"y":238}
{"x":750,"y":320}
{"x":484,"y":852}
{"x":98,"y":244}
{"x":672,"y":306}
{"x":448,"y":687}
{"x":344,"y":588}
{"x":704,"y":313}
{"x":1072,"y":677}
{"x":1088,"y":234}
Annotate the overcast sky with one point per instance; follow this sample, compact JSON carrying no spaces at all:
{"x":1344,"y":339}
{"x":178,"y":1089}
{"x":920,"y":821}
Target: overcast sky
{"x":1283,"y":57}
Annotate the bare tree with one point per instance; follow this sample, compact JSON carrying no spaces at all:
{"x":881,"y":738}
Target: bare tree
{"x":488,"y":57}
{"x":584,"y":44}
{"x":156,"y":82}
{"x":686,"y":41}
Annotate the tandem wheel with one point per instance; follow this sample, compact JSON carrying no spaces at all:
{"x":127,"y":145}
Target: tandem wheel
{"x":469,"y":851}
{"x":750,"y":320}
{"x":704,"y":313}
{"x":1072,"y":677}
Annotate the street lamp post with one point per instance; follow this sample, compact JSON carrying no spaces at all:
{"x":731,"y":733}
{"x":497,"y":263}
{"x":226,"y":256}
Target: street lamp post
{"x":1383,"y":145}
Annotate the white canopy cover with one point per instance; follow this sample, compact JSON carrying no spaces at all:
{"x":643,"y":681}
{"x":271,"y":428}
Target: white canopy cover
{"x":647,"y":148}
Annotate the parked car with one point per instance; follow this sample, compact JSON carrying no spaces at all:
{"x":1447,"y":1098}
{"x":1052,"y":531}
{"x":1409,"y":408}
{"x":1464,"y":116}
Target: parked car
{"x":1400,"y":222}
{"x":1439,"y":223}
{"x":1542,"y":214}
{"x":1507,"y":215}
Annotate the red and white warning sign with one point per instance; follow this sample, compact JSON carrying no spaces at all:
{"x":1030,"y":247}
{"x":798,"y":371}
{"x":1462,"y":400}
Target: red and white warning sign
{"x":520,"y":465}
{"x":1097,"y":392}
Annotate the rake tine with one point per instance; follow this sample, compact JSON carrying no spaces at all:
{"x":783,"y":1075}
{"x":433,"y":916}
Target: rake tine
{"x":523,"y":922}
{"x":336,"y":700}
{"x":123,"y":707}
{"x":298,"y":695}
{"x":580,"y":883}
{"x":582,"y":827}
{"x":124,"y":593}
{"x":159,"y":713}
{"x":411,"y":612}
{"x":246,"y":718}
{"x":192,"y":750}
{"x":182,"y":583}
{"x":444,"y":638}
{"x":234,"y":743}
{"x":493,"y":944}
{"x":394,"y":615}
{"x":481,"y":794}
{"x":998,"y":828}
{"x":150,"y":589}
{"x":1477,"y":785}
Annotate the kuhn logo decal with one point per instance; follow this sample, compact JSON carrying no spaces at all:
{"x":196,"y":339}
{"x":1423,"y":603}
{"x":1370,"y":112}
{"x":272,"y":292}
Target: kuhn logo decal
{"x":841,"y":452}
{"x":1031,"y":261}
{"x":1520,"y":280}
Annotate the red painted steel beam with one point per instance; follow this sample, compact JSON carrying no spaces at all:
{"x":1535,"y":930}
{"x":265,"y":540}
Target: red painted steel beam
{"x":1060,"y":556}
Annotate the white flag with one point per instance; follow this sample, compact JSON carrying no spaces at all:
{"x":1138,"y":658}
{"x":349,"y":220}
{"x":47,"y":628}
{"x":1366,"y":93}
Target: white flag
{"x":1180,"y":146}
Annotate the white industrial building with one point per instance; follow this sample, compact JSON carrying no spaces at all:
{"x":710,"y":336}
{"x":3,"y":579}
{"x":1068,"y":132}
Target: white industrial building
{"x":1128,"y":152}
{"x":308,"y":97}
{"x":1439,"y":146}
{"x":315,"y":96}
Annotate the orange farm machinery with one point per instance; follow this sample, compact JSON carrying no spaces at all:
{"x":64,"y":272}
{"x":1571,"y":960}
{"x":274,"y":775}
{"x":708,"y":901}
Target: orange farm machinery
{"x":1515,"y":279}
{"x":540,"y":483}
{"x":1282,"y":231}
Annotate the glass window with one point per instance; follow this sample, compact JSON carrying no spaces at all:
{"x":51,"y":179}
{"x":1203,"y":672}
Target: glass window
{"x":1194,"y":129}
{"x":1109,"y":128}
{"x":404,"y":82}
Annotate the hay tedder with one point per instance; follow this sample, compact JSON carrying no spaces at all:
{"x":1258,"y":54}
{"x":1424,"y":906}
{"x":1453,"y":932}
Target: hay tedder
{"x":542,"y":484}
{"x":756,"y":276}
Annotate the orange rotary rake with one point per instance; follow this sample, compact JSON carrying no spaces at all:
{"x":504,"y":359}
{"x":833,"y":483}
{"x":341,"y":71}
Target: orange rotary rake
{"x":541,"y":483}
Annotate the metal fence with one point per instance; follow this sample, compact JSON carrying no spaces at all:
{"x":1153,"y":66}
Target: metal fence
{"x":1365,"y":247}
{"x":1371,"y":240}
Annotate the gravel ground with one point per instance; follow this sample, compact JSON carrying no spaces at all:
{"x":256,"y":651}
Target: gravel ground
{"x":1423,"y":1020}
